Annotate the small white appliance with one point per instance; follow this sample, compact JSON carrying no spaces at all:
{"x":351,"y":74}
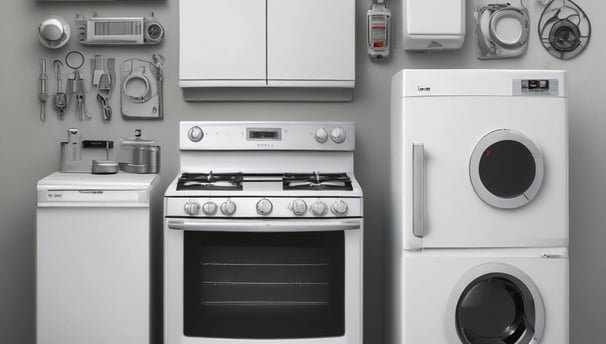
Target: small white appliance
{"x":263,"y":235}
{"x":433,"y":25}
{"x":473,"y":296}
{"x":98,"y":259}
{"x":267,"y":50}
{"x":480,"y":158}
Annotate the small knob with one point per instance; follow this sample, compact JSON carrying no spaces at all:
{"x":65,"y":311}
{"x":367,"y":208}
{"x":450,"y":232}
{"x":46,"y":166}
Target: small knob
{"x":338,"y":135}
{"x":195,"y":134}
{"x":51,"y":29}
{"x":264,"y":207}
{"x":339,"y":208}
{"x":321,"y":135}
{"x":298,"y":207}
{"x":228,"y":208}
{"x":319,"y":208}
{"x":209,"y":208}
{"x":192,"y":208}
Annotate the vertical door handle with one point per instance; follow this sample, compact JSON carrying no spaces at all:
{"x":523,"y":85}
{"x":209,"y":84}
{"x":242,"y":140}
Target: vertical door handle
{"x":418,"y":190}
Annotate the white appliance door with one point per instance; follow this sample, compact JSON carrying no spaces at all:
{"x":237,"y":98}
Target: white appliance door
{"x":483,"y":172}
{"x":222,"y":43}
{"x":93,"y":273}
{"x":310,"y":40}
{"x":263,"y":282}
{"x":472,"y":296}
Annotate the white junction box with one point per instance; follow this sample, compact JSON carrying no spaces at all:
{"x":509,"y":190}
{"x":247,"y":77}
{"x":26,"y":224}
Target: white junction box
{"x":245,"y":49}
{"x":434,"y":25}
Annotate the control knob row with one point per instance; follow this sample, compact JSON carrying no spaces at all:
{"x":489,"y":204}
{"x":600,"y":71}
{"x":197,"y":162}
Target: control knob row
{"x":337,"y":135}
{"x":318,"y":208}
{"x":192,"y":208}
{"x":265,"y":207}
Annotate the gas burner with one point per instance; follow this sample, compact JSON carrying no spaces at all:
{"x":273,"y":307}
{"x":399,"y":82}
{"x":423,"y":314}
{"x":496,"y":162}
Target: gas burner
{"x":316,"y":181}
{"x":564,"y":29}
{"x":210,"y":181}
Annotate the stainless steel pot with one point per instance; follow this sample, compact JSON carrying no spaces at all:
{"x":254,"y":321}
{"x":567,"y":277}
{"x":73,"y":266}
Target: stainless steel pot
{"x":137,"y":155}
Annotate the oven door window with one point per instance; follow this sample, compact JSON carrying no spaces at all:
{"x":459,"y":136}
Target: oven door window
{"x":264,"y":285}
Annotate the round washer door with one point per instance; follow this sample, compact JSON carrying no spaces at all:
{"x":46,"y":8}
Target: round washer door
{"x":506,"y":169}
{"x":496,"y":303}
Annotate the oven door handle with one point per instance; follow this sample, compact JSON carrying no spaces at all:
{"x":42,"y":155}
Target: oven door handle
{"x":265,"y":226}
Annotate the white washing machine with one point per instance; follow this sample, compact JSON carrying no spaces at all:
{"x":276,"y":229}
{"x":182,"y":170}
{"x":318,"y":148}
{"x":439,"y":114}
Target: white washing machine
{"x":480,"y":158}
{"x":483,"y":296}
{"x":479,"y":208}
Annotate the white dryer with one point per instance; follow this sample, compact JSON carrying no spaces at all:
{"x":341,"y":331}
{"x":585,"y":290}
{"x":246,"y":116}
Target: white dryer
{"x":480,"y":158}
{"x":483,"y":296}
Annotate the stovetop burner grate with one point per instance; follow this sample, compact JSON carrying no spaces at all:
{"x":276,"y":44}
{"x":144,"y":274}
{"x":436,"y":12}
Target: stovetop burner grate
{"x":317,"y":181}
{"x":210,"y":181}
{"x":290,"y":181}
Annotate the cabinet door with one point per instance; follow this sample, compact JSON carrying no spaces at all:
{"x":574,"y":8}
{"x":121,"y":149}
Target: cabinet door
{"x":310,"y":40}
{"x":222,"y":42}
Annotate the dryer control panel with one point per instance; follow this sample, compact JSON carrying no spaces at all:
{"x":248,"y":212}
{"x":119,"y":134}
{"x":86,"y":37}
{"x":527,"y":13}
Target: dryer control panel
{"x":535,"y":87}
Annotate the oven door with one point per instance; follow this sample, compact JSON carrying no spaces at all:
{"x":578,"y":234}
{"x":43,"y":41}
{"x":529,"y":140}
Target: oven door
{"x":263,"y":281}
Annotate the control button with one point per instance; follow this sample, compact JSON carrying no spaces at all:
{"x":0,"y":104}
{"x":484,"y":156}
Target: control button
{"x":319,"y":208}
{"x":195,"y":134}
{"x":321,"y":135}
{"x":338,"y":135}
{"x":228,"y":208}
{"x":298,"y":207}
{"x":339,"y":208}
{"x":192,"y":208}
{"x":264,"y":207}
{"x":209,"y":208}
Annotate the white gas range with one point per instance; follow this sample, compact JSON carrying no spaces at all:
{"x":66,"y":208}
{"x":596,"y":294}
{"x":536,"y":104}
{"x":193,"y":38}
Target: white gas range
{"x":263,"y":235}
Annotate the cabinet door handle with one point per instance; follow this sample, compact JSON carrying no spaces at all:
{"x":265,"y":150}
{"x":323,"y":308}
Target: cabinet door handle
{"x":418,"y":190}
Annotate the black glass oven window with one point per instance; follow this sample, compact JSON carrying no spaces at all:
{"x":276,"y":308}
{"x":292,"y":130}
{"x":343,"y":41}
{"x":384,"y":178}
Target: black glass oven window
{"x":264,"y":285}
{"x":507,"y":169}
{"x":496,"y":308}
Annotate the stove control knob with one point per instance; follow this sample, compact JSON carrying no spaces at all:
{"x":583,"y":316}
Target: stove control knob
{"x":338,"y":135}
{"x":228,"y":208}
{"x":321,"y":135}
{"x":209,"y":208}
{"x":192,"y":208}
{"x":319,"y":208}
{"x":298,"y":207}
{"x":339,"y":208}
{"x":195,"y":134}
{"x":264,"y":207}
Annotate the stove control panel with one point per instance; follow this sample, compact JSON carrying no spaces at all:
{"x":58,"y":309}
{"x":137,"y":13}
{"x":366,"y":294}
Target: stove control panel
{"x":274,"y":207}
{"x":246,"y":136}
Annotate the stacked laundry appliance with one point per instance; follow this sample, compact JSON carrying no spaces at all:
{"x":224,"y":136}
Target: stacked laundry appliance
{"x":479,"y":208}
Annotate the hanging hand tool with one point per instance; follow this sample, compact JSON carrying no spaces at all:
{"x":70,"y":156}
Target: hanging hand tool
{"x":75,"y":88}
{"x":60,"y":97}
{"x":158,"y":60}
{"x":43,"y":89}
{"x":102,"y":78}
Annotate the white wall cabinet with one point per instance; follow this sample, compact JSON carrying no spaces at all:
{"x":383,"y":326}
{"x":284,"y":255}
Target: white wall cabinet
{"x":263,"y":45}
{"x":222,"y":43}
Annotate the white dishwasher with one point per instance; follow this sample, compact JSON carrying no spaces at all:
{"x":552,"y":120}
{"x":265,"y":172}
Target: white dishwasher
{"x":99,"y":259}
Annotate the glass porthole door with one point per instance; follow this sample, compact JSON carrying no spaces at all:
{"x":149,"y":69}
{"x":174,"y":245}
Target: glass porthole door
{"x":495,"y":303}
{"x":506,"y":169}
{"x":496,"y":308}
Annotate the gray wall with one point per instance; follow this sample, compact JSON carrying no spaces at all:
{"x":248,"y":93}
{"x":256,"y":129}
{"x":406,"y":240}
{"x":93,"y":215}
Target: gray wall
{"x":30,"y":150}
